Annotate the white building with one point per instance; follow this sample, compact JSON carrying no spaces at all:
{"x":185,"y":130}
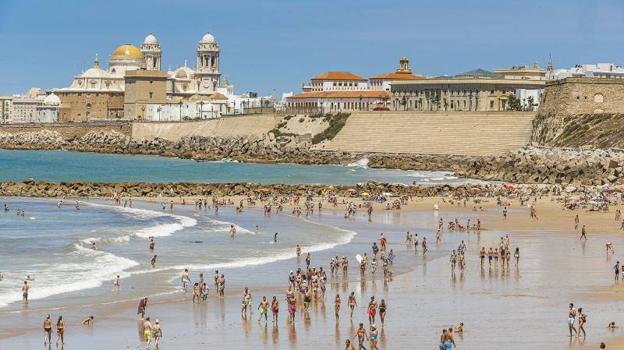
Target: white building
{"x":6,"y":108}
{"x":25,"y":106}
{"x":599,"y":70}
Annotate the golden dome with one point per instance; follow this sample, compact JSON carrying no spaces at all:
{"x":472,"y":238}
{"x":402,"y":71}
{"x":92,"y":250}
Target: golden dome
{"x":127,"y":51}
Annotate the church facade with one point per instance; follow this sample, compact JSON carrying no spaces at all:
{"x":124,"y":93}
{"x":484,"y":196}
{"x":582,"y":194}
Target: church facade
{"x":134,"y":81}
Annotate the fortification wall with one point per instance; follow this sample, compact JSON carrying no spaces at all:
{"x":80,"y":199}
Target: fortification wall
{"x":456,"y":133}
{"x":252,"y":125}
{"x":68,"y":130}
{"x":581,"y":112}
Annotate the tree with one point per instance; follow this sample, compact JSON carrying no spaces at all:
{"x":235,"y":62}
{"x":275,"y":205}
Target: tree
{"x":514,"y":103}
{"x":530,"y":102}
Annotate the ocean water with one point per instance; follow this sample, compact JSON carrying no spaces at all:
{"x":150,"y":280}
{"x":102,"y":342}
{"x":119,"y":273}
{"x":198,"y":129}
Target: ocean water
{"x":94,"y":167}
{"x":52,"y":245}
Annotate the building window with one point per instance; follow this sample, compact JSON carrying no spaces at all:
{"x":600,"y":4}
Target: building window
{"x":491,"y":104}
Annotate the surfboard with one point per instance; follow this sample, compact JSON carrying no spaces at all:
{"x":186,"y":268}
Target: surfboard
{"x":358,"y":258}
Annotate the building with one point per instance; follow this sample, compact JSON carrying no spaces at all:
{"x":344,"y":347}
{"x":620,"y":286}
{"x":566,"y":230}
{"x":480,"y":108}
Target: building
{"x":477,"y":90}
{"x":100,"y":94}
{"x":49,"y":111}
{"x":334,"y":92}
{"x":599,"y":70}
{"x":142,"y":89}
{"x":6,"y":108}
{"x":25,"y":106}
{"x":402,"y":73}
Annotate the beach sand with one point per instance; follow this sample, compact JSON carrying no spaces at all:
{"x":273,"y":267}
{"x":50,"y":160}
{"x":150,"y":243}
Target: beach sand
{"x":514,"y":308}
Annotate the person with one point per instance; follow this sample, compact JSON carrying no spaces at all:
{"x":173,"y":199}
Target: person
{"x":89,"y":321}
{"x":352,"y":302}
{"x":372,"y":310}
{"x":337,"y":302}
{"x":571,"y":319}
{"x":264,"y":309}
{"x":582,"y":319}
{"x":275,"y":237}
{"x":152,"y":244}
{"x":142,"y":307}
{"x":186,"y":279}
{"x":576,"y":222}
{"x":459,"y":328}
{"x":617,"y":270}
{"x":153,"y":261}
{"x":611,"y":326}
{"x":446,"y":340}
{"x":157,"y":331}
{"x":298,"y":250}
{"x":373,"y":337}
{"x":348,"y":345}
{"x":275,"y":308}
{"x":517,"y":255}
{"x":308,"y":260}
{"x":47,"y":331}
{"x":382,"y":311}
{"x":147,"y":332}
{"x":25,"y":288}
{"x":60,"y":331}
{"x":603,"y":345}
{"x":583,"y":233}
{"x":196,"y":292}
{"x":116,"y":282}
{"x":361,"y":336}
{"x":232,"y":231}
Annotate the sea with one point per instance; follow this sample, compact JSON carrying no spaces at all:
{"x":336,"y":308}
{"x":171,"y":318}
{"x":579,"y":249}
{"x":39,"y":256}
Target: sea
{"x":59,"y":166}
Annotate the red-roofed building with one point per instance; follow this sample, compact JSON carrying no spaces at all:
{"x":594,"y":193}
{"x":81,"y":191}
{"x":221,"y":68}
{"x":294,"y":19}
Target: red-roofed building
{"x":333,"y":92}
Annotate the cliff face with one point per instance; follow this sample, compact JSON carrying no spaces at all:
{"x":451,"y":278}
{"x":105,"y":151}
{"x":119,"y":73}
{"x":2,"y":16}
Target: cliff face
{"x":581,"y":112}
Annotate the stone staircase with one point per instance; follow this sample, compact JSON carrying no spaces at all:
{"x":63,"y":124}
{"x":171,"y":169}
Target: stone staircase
{"x":460,"y":133}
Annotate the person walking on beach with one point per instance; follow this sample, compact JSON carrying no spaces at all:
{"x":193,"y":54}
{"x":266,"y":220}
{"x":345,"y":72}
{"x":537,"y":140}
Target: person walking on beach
{"x":147,"y":332}
{"x":352,"y":303}
{"x":572,"y":319}
{"x":576,"y":222}
{"x":362,"y":336}
{"x":583,"y":233}
{"x":382,"y":312}
{"x":348,"y":345}
{"x":157,"y":332}
{"x":581,"y":322}
{"x":275,"y":309}
{"x":373,"y":337}
{"x":47,"y":331}
{"x":372,"y":310}
{"x":617,"y":270}
{"x":60,"y":331}
{"x":517,"y":255}
{"x":263,"y":307}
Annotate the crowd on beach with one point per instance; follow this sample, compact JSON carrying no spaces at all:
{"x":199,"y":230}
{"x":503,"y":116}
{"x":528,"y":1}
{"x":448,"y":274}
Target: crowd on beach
{"x":307,"y":284}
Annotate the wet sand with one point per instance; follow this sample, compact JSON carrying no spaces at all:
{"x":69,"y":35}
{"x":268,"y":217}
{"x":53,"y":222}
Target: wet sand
{"x":514,"y":308}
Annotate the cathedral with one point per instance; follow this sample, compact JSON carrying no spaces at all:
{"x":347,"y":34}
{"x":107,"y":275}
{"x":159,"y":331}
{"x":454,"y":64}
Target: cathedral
{"x":99,"y":93}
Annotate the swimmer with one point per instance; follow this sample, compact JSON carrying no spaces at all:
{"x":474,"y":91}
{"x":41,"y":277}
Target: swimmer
{"x":232,"y":231}
{"x":89,"y":321}
{"x":153,"y":261}
{"x":459,"y":328}
{"x":186,"y":280}
{"x":275,"y":237}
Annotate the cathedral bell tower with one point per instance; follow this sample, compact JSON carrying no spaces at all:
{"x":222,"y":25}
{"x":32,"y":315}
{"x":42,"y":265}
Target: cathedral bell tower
{"x":207,"y":71}
{"x":151,"y":52}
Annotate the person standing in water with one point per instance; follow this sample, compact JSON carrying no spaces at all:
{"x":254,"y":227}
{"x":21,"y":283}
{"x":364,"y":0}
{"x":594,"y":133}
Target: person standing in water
{"x":352,"y":303}
{"x":362,"y":336}
{"x":157,"y":332}
{"x":25,"y":289}
{"x":572,"y":319}
{"x":275,"y":237}
{"x":337,"y":303}
{"x":583,"y":233}
{"x":275,"y":308}
{"x":116,"y":283}
{"x":382,"y":311}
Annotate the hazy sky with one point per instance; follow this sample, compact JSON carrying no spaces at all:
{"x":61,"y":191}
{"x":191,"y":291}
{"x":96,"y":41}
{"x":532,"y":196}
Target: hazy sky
{"x":276,"y":45}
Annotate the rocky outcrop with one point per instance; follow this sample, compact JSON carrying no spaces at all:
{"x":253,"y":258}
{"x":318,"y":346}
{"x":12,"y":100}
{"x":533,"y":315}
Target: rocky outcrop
{"x":43,"y":189}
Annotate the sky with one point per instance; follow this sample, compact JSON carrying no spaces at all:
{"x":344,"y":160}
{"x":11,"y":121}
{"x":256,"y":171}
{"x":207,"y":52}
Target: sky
{"x":274,"y":46}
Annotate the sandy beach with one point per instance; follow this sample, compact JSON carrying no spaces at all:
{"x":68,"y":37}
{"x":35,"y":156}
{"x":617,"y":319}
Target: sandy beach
{"x":523,"y":307}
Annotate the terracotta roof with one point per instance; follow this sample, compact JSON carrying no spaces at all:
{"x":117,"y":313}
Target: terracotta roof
{"x":338,"y":76}
{"x":398,"y":76}
{"x":218,"y":96}
{"x":343,"y":94}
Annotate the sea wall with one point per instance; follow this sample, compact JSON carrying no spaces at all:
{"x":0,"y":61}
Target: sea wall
{"x":68,"y":130}
{"x":244,"y":126}
{"x":443,"y":133}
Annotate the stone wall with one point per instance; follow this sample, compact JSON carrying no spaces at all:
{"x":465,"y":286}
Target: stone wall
{"x":581,"y":112}
{"x":68,"y":130}
{"x":583,"y":96}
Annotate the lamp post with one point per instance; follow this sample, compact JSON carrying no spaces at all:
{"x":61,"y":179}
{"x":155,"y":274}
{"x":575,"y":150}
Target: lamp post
{"x":180,"y":104}
{"x":201,"y":109}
